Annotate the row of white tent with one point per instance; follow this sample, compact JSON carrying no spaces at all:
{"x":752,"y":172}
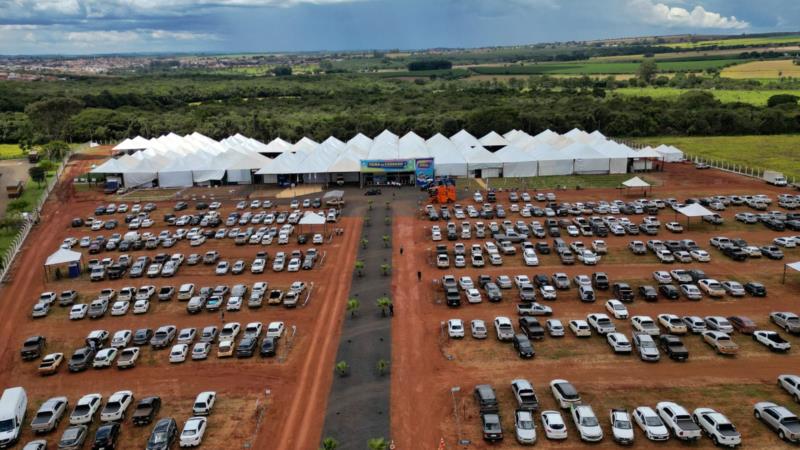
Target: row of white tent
{"x":185,"y":160}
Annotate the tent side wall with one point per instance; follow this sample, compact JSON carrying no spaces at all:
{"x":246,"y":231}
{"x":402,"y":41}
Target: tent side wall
{"x":175,"y":179}
{"x":520,"y":169}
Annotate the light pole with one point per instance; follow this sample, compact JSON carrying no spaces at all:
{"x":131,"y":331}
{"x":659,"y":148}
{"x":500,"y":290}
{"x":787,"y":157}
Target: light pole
{"x":453,"y":391}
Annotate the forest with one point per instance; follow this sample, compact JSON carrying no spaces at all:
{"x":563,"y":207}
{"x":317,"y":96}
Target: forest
{"x":111,"y":108}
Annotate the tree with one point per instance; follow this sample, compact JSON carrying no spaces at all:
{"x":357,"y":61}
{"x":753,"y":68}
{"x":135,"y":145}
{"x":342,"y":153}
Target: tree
{"x":11,"y":222}
{"x":18,"y":205}
{"x":37,"y":174}
{"x":647,"y":70}
{"x":382,"y":366}
{"x":385,"y":269}
{"x":782,"y":99}
{"x":364,"y":242}
{"x":329,"y":443}
{"x":352,"y":306}
{"x":342,"y":368}
{"x":369,"y":204}
{"x":367,"y":220}
{"x":50,"y":116}
{"x":383,"y":304}
{"x":282,"y":71}
{"x":55,"y":149}
{"x":360,"y":268}
{"x":377,"y":444}
{"x":385,"y":240}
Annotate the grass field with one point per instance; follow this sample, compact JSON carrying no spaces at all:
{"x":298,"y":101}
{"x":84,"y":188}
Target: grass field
{"x":753,"y":97}
{"x":601,"y":67}
{"x":749,"y":42}
{"x":765,"y":152}
{"x":551,"y":182}
{"x":10,"y":151}
{"x":422,"y":73}
{"x":763,"y":70}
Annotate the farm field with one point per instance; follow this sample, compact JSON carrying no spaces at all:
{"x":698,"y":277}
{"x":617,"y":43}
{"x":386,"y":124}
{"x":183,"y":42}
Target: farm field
{"x":761,"y":70}
{"x":693,"y":54}
{"x":765,"y":152}
{"x":753,"y":97}
{"x":445,"y":371}
{"x":738,"y":42}
{"x":601,"y":68}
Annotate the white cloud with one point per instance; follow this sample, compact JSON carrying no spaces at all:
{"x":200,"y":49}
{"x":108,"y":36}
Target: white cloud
{"x":664,"y":15}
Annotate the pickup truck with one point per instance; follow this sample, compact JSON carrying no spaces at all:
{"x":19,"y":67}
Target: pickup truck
{"x":772,"y":340}
{"x":525,"y":395}
{"x":533,"y":309}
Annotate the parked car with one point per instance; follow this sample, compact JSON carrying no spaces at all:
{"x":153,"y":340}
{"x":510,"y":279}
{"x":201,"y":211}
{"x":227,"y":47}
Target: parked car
{"x":721,"y":431}
{"x":650,"y":423}
{"x":785,"y":423}
{"x":586,"y":422}
{"x":146,"y":410}
{"x":679,"y":421}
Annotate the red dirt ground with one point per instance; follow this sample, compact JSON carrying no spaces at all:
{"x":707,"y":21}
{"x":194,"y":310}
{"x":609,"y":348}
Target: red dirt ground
{"x":422,"y":406}
{"x":299,"y":386}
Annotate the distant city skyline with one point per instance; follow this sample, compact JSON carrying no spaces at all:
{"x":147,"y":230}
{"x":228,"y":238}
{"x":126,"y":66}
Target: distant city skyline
{"x":35,"y":27}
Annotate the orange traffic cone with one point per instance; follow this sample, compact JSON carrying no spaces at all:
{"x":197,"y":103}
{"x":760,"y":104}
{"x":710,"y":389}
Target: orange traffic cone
{"x":441,"y":444}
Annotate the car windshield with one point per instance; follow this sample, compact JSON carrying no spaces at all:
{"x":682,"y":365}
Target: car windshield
{"x":158,"y":438}
{"x":70,"y":434}
{"x":622,"y":424}
{"x":81,"y":409}
{"x":726,"y":428}
{"x":653,"y":421}
{"x":590,"y":421}
{"x":525,"y":425}
{"x":6,"y":425}
{"x":646,"y":344}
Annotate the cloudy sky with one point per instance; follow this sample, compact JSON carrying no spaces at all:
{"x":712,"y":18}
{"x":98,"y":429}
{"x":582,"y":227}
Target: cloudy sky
{"x":105,"y":26}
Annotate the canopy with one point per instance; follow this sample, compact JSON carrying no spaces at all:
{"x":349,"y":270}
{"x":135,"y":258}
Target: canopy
{"x":636,"y":182}
{"x":312,"y":218}
{"x":492,"y":139}
{"x":794,"y":265}
{"x":63,"y":256}
{"x":695,"y":210}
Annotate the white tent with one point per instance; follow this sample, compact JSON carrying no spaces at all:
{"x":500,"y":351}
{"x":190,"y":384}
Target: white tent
{"x":669,"y":153}
{"x":517,"y":162}
{"x":464,"y":139}
{"x":447,"y":159}
{"x":695,"y":210}
{"x":492,"y":139}
{"x":63,"y":256}
{"x":636,"y":182}
{"x":480,"y":159}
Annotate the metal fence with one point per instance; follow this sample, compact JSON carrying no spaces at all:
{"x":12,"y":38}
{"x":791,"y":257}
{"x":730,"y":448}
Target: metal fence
{"x":7,"y":260}
{"x":739,"y":169}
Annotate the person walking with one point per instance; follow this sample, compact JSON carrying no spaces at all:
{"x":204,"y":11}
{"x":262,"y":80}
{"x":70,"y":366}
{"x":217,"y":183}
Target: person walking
{"x":391,"y":309}
{"x":419,"y":276}
{"x":401,"y":251}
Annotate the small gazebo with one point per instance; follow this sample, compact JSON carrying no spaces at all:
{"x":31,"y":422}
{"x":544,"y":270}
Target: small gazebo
{"x":63,"y":258}
{"x":636,"y":182}
{"x":311,"y":218}
{"x":693,"y":210}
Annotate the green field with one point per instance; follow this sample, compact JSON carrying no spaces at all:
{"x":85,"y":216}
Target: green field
{"x":778,"y":152}
{"x":738,"y":42}
{"x":550,"y":182}
{"x":449,"y":73}
{"x":753,"y":97}
{"x":602,"y":68}
{"x":8,"y":151}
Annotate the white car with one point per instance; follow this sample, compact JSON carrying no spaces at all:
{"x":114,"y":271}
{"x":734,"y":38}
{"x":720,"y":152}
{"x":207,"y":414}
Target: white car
{"x":116,"y":406}
{"x":120,"y":308}
{"x":128,"y":357}
{"x":678,"y":420}
{"x":141,"y":306}
{"x":525,"y":428}
{"x":275,"y":329}
{"x":580,"y":328}
{"x":234,"y":303}
{"x":621,"y":427}
{"x":530,"y":258}
{"x":662,"y":277}
{"x":588,"y":257}
{"x":700,"y":255}
{"x":201,"y":350}
{"x":650,"y":423}
{"x":675,"y":227}
{"x":503,"y":328}
{"x":617,"y":309}
{"x":317,"y":239}
{"x":178,"y":353}
{"x":478,"y":329}
{"x":601,"y":323}
{"x":85,"y":409}
{"x":619,"y":342}
{"x":711,"y":287}
{"x":455,"y":328}
{"x":294,"y":265}
{"x":548,"y":292}
{"x":258,"y":265}
{"x":105,"y":358}
{"x":473,"y":295}
{"x":554,"y":426}
{"x":719,"y":323}
{"x":554,"y":327}
{"x":790,"y":383}
{"x":582,"y":280}
{"x":691,"y":291}
{"x":465,"y":283}
{"x":187,"y":335}
{"x":520,"y":280}
{"x":645,"y":324}
{"x":121,"y":338}
{"x":78,"y":311}
{"x":772,"y":340}
{"x":718,"y":427}
{"x":672,"y":323}
{"x":785,"y":241}
{"x":665,"y":256}
{"x":587,"y":424}
{"x":193,"y":431}
{"x":222,"y":268}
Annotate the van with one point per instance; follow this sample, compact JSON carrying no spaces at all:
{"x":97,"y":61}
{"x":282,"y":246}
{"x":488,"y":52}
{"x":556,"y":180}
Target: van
{"x":13,"y":404}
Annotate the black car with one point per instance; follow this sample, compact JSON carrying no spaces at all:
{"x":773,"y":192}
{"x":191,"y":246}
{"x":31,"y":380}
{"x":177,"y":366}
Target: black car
{"x":492,"y":428}
{"x":142,"y":336}
{"x":269,"y":346}
{"x":483,"y":280}
{"x":180,"y":206}
{"x":735,"y":253}
{"x":372,"y":191}
{"x":453,"y":297}
{"x":146,"y":410}
{"x":541,"y":280}
{"x":164,"y":434}
{"x":115,"y":271}
{"x":302,"y":238}
{"x":201,"y":206}
{"x":80,"y":360}
{"x":648,"y":293}
{"x":697,"y":275}
{"x":775,"y":225}
{"x":100,"y":210}
{"x":32,"y":347}
{"x":106,"y":436}
{"x":669,"y":291}
{"x":77,"y":222}
{"x":543,"y":248}
{"x":523,"y":346}
{"x":600,"y":281}
{"x":531,"y":327}
{"x":755,"y":289}
{"x":623,"y":292}
{"x":673,"y":346}
{"x":246,"y":347}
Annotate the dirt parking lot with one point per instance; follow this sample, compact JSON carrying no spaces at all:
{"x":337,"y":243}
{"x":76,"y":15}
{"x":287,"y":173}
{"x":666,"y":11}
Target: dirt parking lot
{"x":298,"y":377}
{"x":427,"y":364}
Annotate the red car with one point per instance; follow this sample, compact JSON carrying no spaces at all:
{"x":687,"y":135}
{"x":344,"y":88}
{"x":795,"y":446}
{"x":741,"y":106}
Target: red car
{"x":742,"y":324}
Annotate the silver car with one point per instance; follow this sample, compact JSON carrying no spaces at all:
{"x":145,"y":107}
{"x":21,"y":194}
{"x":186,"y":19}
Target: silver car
{"x":49,"y":414}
